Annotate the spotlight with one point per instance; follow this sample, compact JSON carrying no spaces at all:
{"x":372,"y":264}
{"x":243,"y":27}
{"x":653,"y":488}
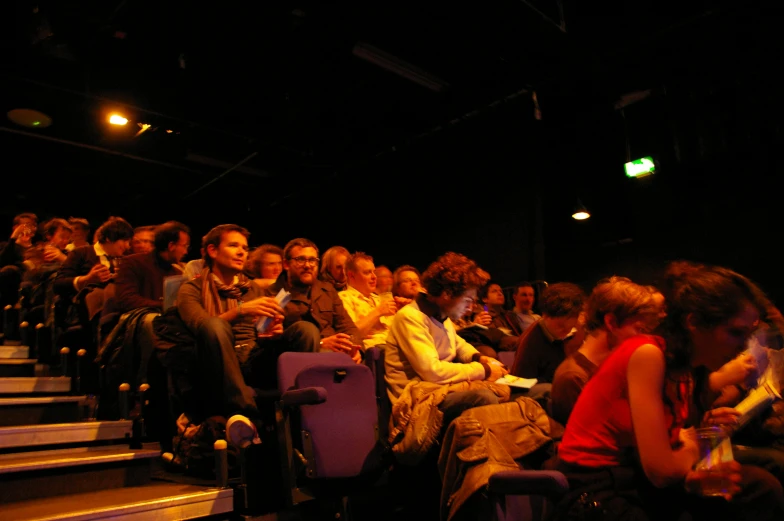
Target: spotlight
{"x":116,"y":119}
{"x":581,"y":213}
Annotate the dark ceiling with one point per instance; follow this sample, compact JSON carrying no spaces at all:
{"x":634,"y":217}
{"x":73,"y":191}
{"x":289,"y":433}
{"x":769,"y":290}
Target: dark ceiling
{"x":291,"y":81}
{"x":291,"y":101}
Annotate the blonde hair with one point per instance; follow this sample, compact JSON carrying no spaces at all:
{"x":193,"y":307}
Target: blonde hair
{"x":329,"y":257}
{"x":620,"y":297}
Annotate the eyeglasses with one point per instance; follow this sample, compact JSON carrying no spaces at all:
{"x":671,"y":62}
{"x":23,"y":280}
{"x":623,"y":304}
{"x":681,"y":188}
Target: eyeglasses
{"x":305,"y":260}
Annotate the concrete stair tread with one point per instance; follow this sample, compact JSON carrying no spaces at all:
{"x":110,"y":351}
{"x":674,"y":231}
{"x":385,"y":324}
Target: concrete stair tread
{"x":61,"y":433}
{"x":50,"y":459}
{"x":153,"y":502}
{"x":14,"y":352}
{"x":40,"y":400}
{"x":34,"y":384}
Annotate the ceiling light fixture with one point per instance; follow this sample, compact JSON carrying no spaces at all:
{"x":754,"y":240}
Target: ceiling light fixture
{"x":402,"y":68}
{"x":29,"y":118}
{"x":581,"y":213}
{"x":116,"y":119}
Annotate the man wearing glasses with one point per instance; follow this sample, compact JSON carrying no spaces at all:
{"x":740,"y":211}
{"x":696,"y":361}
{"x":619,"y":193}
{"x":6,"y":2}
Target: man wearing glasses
{"x":323,"y":323}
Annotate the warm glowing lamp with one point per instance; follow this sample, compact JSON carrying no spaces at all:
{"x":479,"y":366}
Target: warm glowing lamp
{"x":581,"y":213}
{"x":116,"y":119}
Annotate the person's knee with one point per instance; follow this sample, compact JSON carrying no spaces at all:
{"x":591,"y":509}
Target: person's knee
{"x":485,"y":397}
{"x":214,"y":329}
{"x":757,"y":482}
{"x":302,"y":336}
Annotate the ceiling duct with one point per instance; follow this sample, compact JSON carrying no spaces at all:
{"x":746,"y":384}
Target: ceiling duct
{"x":400,"y":67}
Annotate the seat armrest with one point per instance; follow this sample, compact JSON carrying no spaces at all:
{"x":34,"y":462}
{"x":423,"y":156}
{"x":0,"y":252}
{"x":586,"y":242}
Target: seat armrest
{"x":550,"y":483}
{"x":304,"y":396}
{"x":267,"y":395}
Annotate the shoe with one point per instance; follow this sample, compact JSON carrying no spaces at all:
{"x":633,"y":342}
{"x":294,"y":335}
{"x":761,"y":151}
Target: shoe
{"x":241,"y":432}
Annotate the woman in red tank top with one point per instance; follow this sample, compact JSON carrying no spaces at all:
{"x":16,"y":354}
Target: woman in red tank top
{"x":632,"y":413}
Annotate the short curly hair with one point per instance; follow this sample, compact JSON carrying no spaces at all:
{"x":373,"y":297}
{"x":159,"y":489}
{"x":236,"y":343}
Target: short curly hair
{"x":254,"y":258}
{"x":562,"y":299}
{"x":114,"y":229}
{"x":453,"y":273}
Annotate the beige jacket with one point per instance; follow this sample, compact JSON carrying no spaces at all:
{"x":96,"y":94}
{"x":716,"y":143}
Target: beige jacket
{"x":416,"y":421}
{"x":489,"y":439}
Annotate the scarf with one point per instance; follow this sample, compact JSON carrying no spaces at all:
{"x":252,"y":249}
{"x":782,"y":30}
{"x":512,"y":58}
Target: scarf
{"x":326,"y":276}
{"x":213,"y":291}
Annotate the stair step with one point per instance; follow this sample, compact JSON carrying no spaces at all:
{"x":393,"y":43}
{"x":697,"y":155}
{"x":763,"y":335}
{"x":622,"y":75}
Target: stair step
{"x":51,"y":459}
{"x":53,"y":473}
{"x":38,"y":410}
{"x":39,"y":400}
{"x":14,"y":351}
{"x":10,"y":367}
{"x":153,"y":502}
{"x":35,"y":385}
{"x":62,"y":433}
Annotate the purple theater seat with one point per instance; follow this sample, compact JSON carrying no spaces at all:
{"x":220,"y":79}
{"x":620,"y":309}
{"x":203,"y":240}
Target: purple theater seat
{"x":336,"y":405}
{"x":525,"y":495}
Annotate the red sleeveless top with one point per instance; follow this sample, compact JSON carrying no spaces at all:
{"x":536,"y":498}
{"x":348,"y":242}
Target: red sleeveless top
{"x":599,"y":432}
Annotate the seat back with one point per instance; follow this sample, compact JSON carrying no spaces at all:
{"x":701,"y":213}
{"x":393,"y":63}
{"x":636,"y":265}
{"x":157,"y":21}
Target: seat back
{"x":525,"y":495}
{"x":506,"y":358}
{"x":290,"y":364}
{"x":339,"y":437}
{"x":521,"y":507}
{"x":374,"y":358}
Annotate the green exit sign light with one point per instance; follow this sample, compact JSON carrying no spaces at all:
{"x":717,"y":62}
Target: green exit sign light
{"x":640,"y":167}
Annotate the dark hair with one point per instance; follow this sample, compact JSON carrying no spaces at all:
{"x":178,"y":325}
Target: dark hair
{"x":486,"y":289}
{"x":523,"y":284}
{"x":167,"y":233}
{"x":214,"y":237}
{"x":300,"y":242}
{"x":50,"y":227}
{"x":562,"y":299}
{"x":114,"y":229}
{"x":455,"y":274}
{"x":710,"y":294}
{"x":620,"y":297}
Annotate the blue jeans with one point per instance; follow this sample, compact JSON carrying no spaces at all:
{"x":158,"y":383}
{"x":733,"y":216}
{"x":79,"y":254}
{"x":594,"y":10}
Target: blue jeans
{"x":455,"y":403}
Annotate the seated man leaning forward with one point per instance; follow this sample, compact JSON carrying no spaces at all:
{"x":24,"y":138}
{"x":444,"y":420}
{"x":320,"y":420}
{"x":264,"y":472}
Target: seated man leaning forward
{"x":220,"y":307}
{"x":422,"y":346}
